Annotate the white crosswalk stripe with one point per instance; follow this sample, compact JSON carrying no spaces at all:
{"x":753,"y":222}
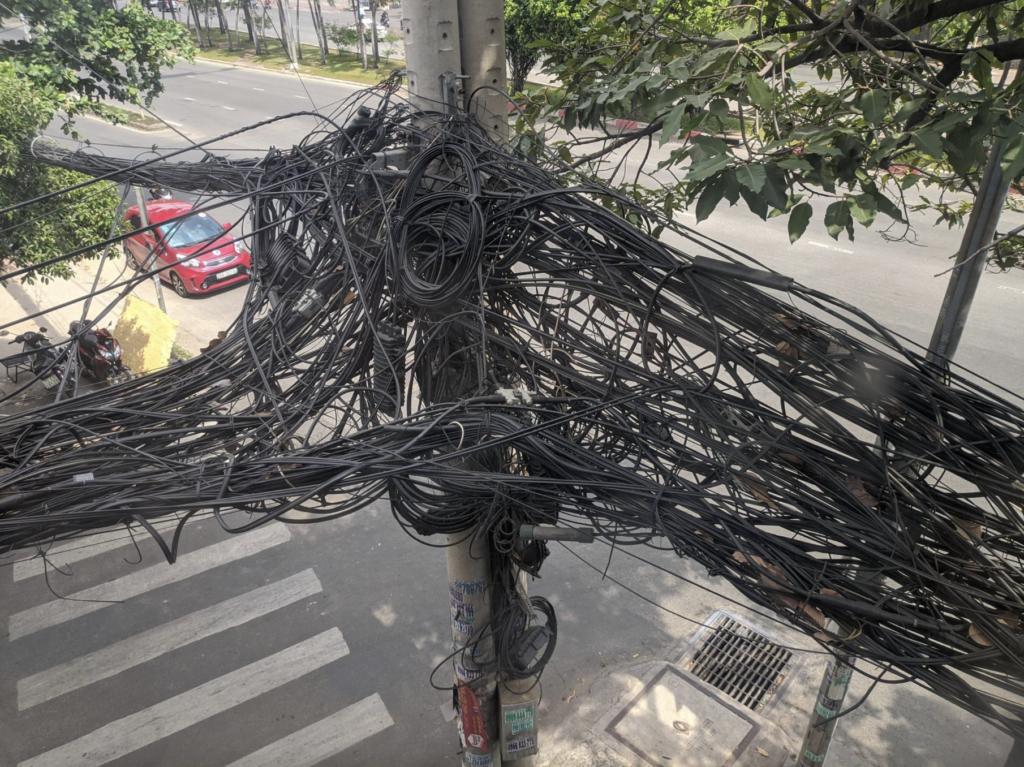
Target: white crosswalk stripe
{"x":148,"y":645}
{"x":75,"y":551}
{"x":60,"y":611}
{"x":330,"y":736}
{"x":175,"y":714}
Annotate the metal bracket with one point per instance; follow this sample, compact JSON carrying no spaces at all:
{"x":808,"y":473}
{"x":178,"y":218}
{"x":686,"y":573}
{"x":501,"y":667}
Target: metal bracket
{"x":452,"y":92}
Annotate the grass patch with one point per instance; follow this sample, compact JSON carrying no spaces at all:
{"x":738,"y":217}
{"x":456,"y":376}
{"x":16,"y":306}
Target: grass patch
{"x":129,"y":117}
{"x":180,"y":353}
{"x":341,"y":65}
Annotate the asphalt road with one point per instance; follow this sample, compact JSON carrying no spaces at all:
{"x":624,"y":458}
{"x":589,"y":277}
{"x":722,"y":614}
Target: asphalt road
{"x":191,"y":665}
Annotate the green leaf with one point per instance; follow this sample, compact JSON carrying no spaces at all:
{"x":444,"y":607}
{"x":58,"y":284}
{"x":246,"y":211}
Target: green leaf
{"x":775,"y":190}
{"x":1012,"y":162}
{"x":752,"y":176}
{"x":929,"y":143}
{"x":837,"y":216}
{"x":907,"y":109}
{"x":710,"y":197}
{"x":755,"y":202}
{"x":719,"y":108}
{"x":873,"y":104}
{"x":888,"y":207}
{"x":864,"y":208}
{"x":798,"y":220}
{"x":670,"y":127}
{"x":708,"y":167}
{"x":758,"y":92}
{"x":797,"y":164}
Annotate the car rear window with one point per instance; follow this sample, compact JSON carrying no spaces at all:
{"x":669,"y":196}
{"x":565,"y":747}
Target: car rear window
{"x":192,"y":230}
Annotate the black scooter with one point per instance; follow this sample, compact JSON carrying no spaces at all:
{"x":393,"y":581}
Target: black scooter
{"x":38,"y":356}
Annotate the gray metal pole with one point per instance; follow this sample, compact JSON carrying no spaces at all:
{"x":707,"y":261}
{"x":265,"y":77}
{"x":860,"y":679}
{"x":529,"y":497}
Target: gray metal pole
{"x":829,"y":703}
{"x":432,"y":50}
{"x":483,"y":62}
{"x":144,"y":217}
{"x":970,"y":264}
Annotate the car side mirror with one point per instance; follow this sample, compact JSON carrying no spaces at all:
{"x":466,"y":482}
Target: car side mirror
{"x":227,"y":226}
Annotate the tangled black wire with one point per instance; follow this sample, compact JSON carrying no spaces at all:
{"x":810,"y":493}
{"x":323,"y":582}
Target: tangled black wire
{"x":488,"y":346}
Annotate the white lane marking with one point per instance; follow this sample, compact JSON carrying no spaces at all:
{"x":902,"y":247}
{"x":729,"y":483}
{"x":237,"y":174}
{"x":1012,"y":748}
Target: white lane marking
{"x":171,"y":122}
{"x":321,"y":740}
{"x":187,"y":98}
{"x":230,"y":109}
{"x":143,"y":647}
{"x":222,"y":82}
{"x":1007,"y":287}
{"x":144,"y":727}
{"x":77,"y":550}
{"x":298,"y":96}
{"x":257,"y":89}
{"x":189,"y":75}
{"x":61,"y":610}
{"x":829,"y":247}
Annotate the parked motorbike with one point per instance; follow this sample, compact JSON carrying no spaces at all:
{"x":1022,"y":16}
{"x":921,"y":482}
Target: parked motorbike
{"x":99,"y":353}
{"x":39,"y":356}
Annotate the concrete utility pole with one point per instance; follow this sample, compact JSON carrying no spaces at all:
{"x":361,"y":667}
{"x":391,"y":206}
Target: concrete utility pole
{"x":449,"y":43}
{"x":433,"y":53}
{"x":483,"y":62}
{"x":144,"y":218}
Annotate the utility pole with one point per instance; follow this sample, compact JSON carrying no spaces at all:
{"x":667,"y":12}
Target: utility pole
{"x":151,"y":259}
{"x":970,"y":264}
{"x":970,"y":260}
{"x":827,"y":706}
{"x":483,"y":63}
{"x":449,"y":43}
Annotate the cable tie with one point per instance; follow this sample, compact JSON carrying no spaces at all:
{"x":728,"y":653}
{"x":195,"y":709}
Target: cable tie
{"x":81,"y":479}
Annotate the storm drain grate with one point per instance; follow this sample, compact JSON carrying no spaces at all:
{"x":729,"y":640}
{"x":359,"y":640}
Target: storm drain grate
{"x":741,"y":662}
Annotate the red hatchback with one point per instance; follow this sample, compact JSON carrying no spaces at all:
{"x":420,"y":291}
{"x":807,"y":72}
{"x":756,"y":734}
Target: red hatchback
{"x":201,"y":255}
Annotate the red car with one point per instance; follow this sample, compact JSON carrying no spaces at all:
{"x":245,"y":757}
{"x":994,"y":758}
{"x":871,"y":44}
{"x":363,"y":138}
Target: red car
{"x":201,"y":254}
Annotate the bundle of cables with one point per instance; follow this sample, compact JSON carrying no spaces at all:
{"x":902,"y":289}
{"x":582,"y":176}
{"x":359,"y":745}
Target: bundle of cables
{"x":488,"y":346}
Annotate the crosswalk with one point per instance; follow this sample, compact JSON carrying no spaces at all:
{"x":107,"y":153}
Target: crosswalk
{"x":321,"y":743}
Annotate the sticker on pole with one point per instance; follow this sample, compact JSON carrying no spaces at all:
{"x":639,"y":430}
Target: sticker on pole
{"x":471,"y":721}
{"x":518,"y":730}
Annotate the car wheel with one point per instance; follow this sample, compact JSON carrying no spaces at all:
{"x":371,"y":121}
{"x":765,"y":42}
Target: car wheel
{"x":178,"y":285}
{"x":132,"y":263}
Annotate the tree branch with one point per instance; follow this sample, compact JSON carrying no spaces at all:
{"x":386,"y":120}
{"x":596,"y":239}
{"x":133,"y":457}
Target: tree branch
{"x":622,"y":140}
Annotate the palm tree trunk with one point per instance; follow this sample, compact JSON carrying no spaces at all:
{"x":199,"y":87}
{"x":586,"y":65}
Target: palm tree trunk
{"x":222,"y":19}
{"x":298,"y":37}
{"x":199,"y":25}
{"x":250,"y":25}
{"x":284,"y":30}
{"x":318,"y":26}
{"x":373,"y":33}
{"x":359,"y":30}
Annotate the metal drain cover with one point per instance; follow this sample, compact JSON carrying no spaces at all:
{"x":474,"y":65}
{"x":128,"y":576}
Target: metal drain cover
{"x":673,"y":722}
{"x":738,"y":660}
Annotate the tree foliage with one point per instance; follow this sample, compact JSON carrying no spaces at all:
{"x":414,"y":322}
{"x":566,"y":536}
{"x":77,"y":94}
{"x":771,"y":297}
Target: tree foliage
{"x":530,"y":22}
{"x":78,"y":54}
{"x":60,"y":225}
{"x":850,"y":102}
{"x":83,"y":51}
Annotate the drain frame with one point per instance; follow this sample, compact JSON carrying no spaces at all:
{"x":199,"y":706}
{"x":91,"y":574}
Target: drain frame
{"x":771,"y":685}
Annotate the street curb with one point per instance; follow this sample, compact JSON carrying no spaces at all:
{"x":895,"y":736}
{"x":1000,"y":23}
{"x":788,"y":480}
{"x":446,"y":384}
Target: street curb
{"x":239,"y":65}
